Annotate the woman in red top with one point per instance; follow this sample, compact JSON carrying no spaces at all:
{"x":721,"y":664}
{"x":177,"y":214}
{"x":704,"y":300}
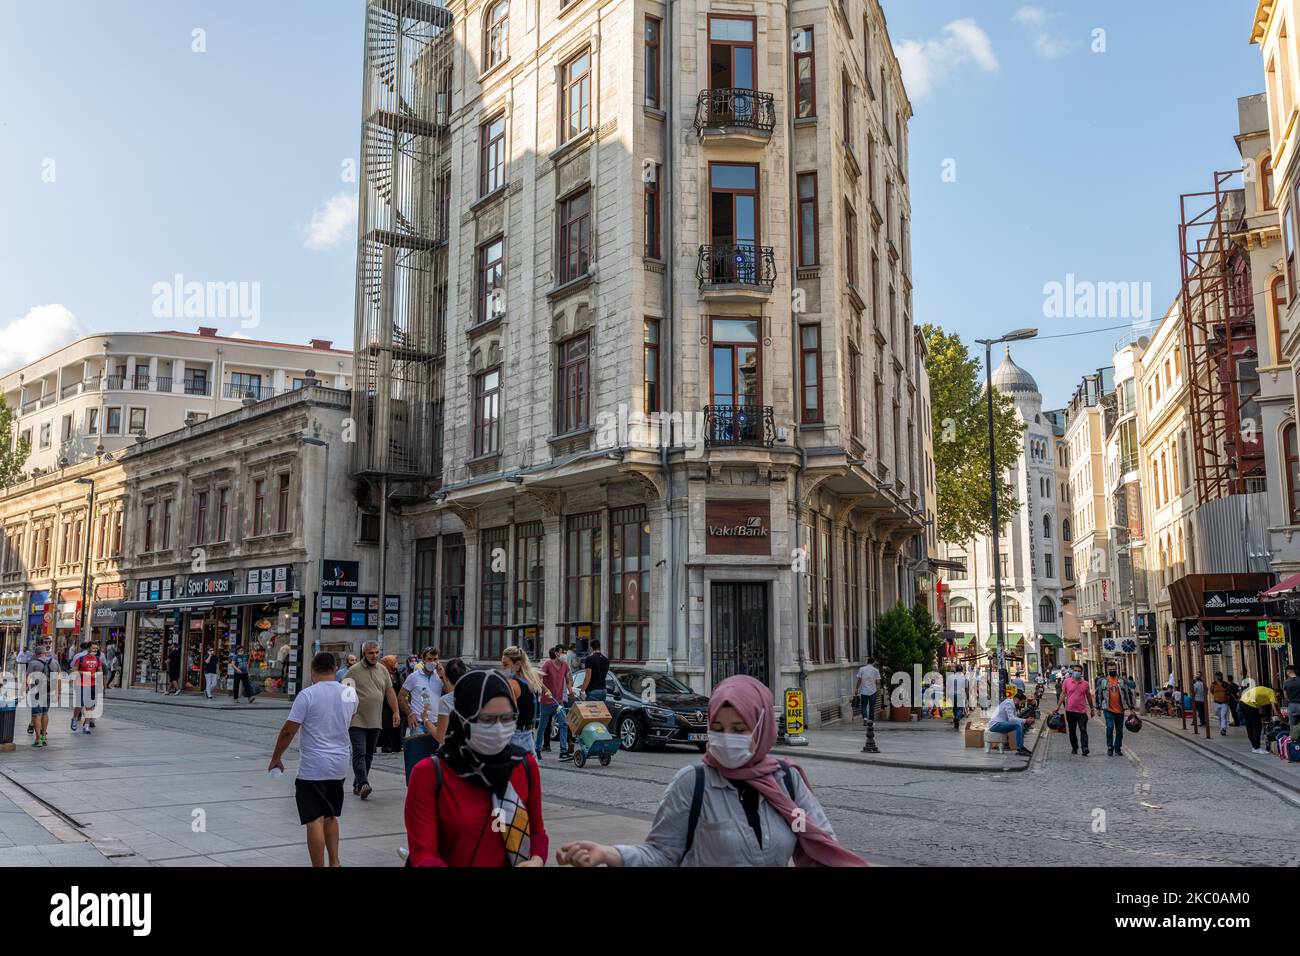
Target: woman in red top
{"x":476,"y":778}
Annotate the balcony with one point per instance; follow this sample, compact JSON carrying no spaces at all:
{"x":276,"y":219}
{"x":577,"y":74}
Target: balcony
{"x":241,"y":392}
{"x":164,"y":383}
{"x":197,"y":386}
{"x":113,"y":383}
{"x":736,"y":272}
{"x":739,"y":426}
{"x":735,"y":115}
{"x":31,"y":406}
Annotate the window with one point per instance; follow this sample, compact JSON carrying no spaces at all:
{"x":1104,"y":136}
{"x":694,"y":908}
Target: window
{"x":961,"y":611}
{"x":101,"y":536}
{"x":1047,"y":611}
{"x":246,"y":385}
{"x":733,"y":221}
{"x":629,"y":584}
{"x":820,"y":590}
{"x":651,"y":339}
{"x":201,"y":517}
{"x":496,"y":24}
{"x":493,"y":589}
{"x":877,"y":399}
{"x":854,"y":562}
{"x":45,"y":434}
{"x":1049,"y":566}
{"x":1277,"y":297}
{"x":492,"y":160}
{"x":652,"y":26}
{"x":368,"y":532}
{"x":575,"y":237}
{"x":491,"y":278}
{"x":1266,"y":181}
{"x":223,"y":514}
{"x":148,"y":526}
{"x":573,"y":387}
{"x":583,"y":561}
{"x":1069,"y":568}
{"x":259,"y":506}
{"x":424,"y":633}
{"x":1065,"y":529}
{"x":282,"y":504}
{"x":805,"y":74}
{"x":855,"y":391}
{"x":65,"y":428}
{"x":1291,"y":452}
{"x":652,"y":215}
{"x":452,"y":599}
{"x":850,"y":245}
{"x":808,"y":239}
{"x":1288,"y":246}
{"x":196,"y":382}
{"x":846,"y":102}
{"x":811,"y":373}
{"x":874,"y":293}
{"x":575,"y":96}
{"x":166,"y":523}
{"x":1010,"y":609}
{"x":136,"y":422}
{"x":735,"y":369}
{"x":732,"y":54}
{"x":487,"y":412}
{"x":530,"y":576}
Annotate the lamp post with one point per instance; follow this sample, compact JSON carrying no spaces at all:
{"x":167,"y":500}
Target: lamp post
{"x":320,"y":558}
{"x":1016,"y":336}
{"x":85,"y":555}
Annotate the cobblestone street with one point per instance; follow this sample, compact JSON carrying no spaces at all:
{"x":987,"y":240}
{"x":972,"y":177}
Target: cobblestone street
{"x":132,"y":790}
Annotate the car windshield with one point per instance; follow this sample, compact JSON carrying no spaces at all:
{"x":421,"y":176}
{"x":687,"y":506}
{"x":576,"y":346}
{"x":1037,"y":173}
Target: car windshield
{"x":637,"y":682}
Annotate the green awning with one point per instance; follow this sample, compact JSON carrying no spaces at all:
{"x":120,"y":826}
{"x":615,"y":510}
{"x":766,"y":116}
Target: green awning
{"x":964,"y":640}
{"x":1012,"y":638}
{"x":1051,"y":639}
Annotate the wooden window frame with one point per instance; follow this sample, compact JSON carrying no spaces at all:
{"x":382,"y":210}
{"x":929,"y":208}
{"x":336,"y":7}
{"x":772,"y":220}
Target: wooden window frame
{"x":752,"y":45}
{"x":259,"y":506}
{"x":573,"y":385}
{"x":653,"y":217}
{"x":809,"y":202}
{"x":569,"y":82}
{"x":497,"y":53}
{"x":485,"y":267}
{"x":811,"y":57}
{"x":814,"y":352}
{"x":487,"y":430}
{"x":651,"y":399}
{"x":653,"y":64}
{"x":492,"y":155}
{"x":756,"y":345}
{"x":1291,"y":473}
{"x":282,"y":502}
{"x":850,"y":244}
{"x":627,"y":527}
{"x":573,"y":226}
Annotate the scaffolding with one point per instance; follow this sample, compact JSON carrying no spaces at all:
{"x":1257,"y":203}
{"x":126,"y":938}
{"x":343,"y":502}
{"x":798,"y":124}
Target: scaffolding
{"x":1218,"y":314}
{"x":401,"y":299}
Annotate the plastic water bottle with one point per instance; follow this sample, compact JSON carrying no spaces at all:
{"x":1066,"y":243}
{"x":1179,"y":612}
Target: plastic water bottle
{"x":276,"y":773}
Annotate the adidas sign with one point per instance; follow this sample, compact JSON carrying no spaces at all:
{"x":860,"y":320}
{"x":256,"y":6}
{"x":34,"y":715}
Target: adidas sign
{"x":1215,"y":603}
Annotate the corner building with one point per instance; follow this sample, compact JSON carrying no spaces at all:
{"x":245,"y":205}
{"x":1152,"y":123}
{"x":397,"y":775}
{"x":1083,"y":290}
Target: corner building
{"x":645,"y":272}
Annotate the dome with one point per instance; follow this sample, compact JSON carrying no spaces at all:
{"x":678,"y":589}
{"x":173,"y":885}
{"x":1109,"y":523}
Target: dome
{"x":1011,"y":378}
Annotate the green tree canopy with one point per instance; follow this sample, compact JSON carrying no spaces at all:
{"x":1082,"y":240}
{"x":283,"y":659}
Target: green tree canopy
{"x":961,"y":440}
{"x":927,"y":637}
{"x":13,"y":455}
{"x":896,"y":643}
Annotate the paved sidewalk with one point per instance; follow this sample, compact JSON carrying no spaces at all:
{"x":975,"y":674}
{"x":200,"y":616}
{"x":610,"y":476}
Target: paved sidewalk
{"x":1234,"y":748}
{"x":221,"y":700}
{"x":921,"y":745}
{"x":134,"y":794}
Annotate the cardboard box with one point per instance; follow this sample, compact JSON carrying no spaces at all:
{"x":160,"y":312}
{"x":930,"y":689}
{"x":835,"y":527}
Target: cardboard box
{"x":585,"y":712}
{"x":974,"y":732}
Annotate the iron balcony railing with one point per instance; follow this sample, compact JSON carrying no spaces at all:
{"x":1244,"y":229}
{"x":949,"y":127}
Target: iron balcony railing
{"x":198,"y":386}
{"x":141,"y":383}
{"x":31,"y":405}
{"x":735,"y":109}
{"x":114,"y":382}
{"x":737,"y":265}
{"x":255,"y":392}
{"x":731,"y":425}
{"x":164,"y":383}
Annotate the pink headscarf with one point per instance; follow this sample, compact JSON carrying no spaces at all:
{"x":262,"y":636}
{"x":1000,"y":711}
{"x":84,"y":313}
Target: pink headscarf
{"x":753,"y":701}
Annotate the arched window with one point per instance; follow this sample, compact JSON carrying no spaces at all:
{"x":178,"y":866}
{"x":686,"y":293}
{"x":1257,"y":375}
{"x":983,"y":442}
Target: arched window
{"x":1047,"y":611}
{"x":1164,"y":563}
{"x":1266,"y":180}
{"x":1010,"y":612}
{"x":1047,"y":527}
{"x":1065,"y":530}
{"x":495,"y":29}
{"x":1173,"y":478}
{"x":1182,"y":556}
{"x":961,"y":611}
{"x":1277,"y":299}
{"x":1291,"y":454}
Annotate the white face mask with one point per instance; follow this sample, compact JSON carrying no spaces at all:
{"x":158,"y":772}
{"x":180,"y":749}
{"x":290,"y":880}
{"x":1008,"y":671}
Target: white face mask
{"x":489,"y":739}
{"x":731,"y":750}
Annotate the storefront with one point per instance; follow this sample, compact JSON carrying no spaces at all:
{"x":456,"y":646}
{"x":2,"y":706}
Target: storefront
{"x":67,"y":624}
{"x":11,"y":627}
{"x":107,"y":619}
{"x":150,"y":632}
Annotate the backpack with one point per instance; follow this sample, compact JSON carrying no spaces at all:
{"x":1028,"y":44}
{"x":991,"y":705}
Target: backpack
{"x":697,"y":800}
{"x":1284,"y":747}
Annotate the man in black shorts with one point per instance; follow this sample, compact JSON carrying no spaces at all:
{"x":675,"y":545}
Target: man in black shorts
{"x":322,"y":712}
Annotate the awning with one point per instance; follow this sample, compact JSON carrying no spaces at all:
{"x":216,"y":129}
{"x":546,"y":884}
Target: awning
{"x":207,"y":603}
{"x":1011,"y":638}
{"x":1051,"y":639}
{"x":1282,"y":588}
{"x":963,"y":640}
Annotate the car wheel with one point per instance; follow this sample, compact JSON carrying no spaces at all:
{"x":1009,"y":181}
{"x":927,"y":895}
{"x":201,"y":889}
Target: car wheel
{"x":629,"y":733}
{"x":554,"y":732}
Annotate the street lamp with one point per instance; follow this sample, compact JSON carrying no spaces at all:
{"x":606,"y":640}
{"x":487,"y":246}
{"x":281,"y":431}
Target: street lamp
{"x":1016,"y":336}
{"x":85,"y":557}
{"x":320,"y":558}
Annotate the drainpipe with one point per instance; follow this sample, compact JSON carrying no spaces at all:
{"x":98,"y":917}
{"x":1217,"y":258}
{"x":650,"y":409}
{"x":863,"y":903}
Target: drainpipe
{"x":666,"y":330}
{"x":800,"y":621}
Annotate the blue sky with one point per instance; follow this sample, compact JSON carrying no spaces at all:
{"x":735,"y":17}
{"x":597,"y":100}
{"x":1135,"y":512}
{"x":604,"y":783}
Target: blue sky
{"x":228,"y":165}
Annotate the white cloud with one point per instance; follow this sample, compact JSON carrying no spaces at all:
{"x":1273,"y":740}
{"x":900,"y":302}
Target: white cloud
{"x":1047,"y":43}
{"x":38,"y":333}
{"x":332,"y":222}
{"x":926,"y":63}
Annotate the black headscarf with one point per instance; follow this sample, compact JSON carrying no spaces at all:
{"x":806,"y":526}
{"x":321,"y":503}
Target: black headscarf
{"x":492,"y":772}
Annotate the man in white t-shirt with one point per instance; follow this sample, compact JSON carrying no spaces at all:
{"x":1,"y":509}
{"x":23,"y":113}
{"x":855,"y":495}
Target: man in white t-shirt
{"x":323,"y":712}
{"x":422,"y":688}
{"x":868,"y":683}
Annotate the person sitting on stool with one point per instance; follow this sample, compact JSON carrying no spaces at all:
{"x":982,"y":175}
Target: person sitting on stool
{"x":1005,"y":721}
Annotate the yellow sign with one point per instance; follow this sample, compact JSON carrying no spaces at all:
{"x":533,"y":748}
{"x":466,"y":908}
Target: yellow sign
{"x":1274,"y":634}
{"x":584,"y":630}
{"x":794,"y":715}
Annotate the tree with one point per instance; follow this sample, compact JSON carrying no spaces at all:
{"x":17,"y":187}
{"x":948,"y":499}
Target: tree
{"x":961,"y":440}
{"x":896,"y":641}
{"x":927,"y":637}
{"x":13,"y":455}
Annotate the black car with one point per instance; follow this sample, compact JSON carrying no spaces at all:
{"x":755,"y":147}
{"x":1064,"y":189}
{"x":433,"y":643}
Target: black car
{"x":650,"y":708}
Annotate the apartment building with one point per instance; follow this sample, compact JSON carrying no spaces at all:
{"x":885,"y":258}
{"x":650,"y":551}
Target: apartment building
{"x":101,"y":393}
{"x":677,"y":393}
{"x":1029,"y":549}
{"x":1053,"y":652}
{"x":1091,"y":414}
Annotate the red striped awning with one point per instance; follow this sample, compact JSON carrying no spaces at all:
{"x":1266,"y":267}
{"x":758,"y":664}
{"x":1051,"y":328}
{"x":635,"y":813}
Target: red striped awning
{"x":1285,"y":586}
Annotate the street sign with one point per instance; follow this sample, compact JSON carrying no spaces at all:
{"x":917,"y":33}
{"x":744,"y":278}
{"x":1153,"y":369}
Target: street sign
{"x":1272,"y":633}
{"x":794,"y":712}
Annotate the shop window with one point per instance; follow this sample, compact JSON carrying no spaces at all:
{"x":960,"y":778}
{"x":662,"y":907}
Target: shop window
{"x":530,"y":578}
{"x":583,"y":560}
{"x":493,"y":588}
{"x":452,"y":599}
{"x":629,"y":584}
{"x":424,"y":592}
